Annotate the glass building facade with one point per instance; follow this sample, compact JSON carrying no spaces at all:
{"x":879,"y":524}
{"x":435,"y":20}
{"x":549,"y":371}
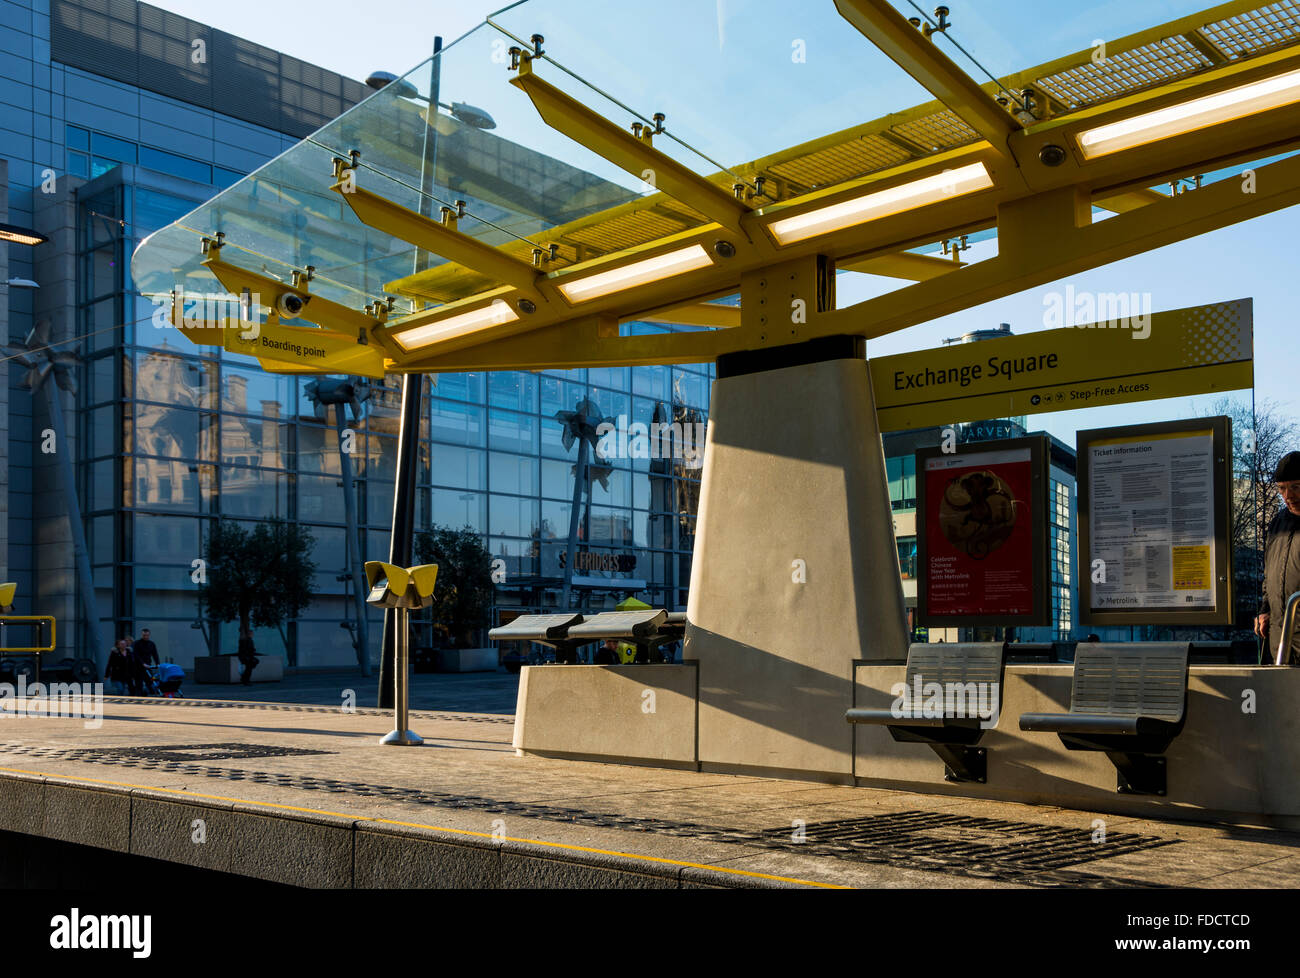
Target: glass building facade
{"x":178,"y":435}
{"x":1061,"y":504}
{"x":172,"y":436}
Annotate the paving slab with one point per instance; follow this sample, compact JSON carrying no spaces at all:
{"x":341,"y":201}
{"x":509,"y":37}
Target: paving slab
{"x":305,"y":794}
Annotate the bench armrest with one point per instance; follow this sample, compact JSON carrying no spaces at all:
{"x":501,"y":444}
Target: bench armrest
{"x":890,"y":718}
{"x":1078,"y":723}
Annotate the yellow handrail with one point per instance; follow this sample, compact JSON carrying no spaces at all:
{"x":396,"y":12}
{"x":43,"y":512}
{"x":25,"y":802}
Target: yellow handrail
{"x":14,"y":619}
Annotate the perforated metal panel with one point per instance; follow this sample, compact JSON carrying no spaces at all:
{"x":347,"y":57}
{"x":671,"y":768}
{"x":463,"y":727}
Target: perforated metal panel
{"x":1124,"y":72}
{"x":152,"y":49}
{"x":934,"y":133}
{"x":1130,"y":680}
{"x":955,"y":662}
{"x":835,"y":164}
{"x":1258,"y":31}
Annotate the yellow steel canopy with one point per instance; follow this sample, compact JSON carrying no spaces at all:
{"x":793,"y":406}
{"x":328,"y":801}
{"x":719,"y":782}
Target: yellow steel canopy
{"x":411,"y":239}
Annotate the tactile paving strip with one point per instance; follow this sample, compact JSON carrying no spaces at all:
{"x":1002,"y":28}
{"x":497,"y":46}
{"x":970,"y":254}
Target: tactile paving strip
{"x":306,"y":708}
{"x":1016,"y":852}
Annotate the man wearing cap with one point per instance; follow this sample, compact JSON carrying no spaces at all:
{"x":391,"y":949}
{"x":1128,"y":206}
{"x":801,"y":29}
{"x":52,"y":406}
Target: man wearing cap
{"x":1281,"y":560}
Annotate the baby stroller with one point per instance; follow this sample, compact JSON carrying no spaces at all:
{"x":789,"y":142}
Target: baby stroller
{"x":149,"y":681}
{"x":169,"y":679}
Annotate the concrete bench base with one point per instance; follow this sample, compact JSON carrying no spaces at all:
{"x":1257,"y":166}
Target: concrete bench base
{"x":1234,"y":762}
{"x":642,"y":714}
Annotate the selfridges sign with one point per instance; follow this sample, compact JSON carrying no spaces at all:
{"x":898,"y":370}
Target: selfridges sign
{"x":607,"y":563}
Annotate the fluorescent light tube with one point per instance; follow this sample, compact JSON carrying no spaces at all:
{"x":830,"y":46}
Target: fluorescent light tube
{"x":882,"y":203}
{"x":23,"y":236}
{"x":496,"y":314}
{"x":1198,"y":113}
{"x":638,"y":273}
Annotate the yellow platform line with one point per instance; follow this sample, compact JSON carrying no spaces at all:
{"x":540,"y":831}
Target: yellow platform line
{"x":437,"y":828}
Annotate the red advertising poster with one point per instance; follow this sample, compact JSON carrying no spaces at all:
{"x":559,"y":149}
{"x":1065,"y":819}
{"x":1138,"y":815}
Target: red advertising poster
{"x":979,"y":535}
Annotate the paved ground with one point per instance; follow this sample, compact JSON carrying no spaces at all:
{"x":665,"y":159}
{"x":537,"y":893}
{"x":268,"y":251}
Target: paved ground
{"x":471,"y":692}
{"x":297,"y":763}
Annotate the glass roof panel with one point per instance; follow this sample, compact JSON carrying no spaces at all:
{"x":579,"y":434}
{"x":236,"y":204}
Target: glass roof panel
{"x":740,"y":83}
{"x":731,"y":94}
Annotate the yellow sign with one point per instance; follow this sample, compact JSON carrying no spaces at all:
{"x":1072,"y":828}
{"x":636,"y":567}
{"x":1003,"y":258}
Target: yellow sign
{"x":279,"y":348}
{"x":1191,"y":568}
{"x":1178,"y":353}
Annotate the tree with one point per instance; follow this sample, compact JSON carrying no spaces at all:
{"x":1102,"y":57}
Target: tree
{"x":462,"y":595}
{"x":1259,"y":439}
{"x":263,"y":578}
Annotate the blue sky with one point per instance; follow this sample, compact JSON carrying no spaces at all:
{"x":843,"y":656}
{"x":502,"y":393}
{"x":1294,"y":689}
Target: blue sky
{"x":700,"y":62}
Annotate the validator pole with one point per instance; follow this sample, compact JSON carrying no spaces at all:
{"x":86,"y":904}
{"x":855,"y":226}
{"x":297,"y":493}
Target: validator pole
{"x":401,"y":540}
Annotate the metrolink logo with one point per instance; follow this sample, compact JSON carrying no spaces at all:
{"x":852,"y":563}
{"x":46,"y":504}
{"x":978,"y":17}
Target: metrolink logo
{"x":951,"y":701}
{"x":1098,"y":310}
{"x":70,"y":700}
{"x":210,"y":310}
{"x":102,"y":932}
{"x":683,"y":442}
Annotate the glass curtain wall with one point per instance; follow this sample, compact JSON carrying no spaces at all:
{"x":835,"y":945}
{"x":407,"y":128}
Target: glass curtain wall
{"x":177,"y":435}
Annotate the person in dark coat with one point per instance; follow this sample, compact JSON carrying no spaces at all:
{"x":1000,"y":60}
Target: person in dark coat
{"x":133,"y":677}
{"x":1281,"y":562}
{"x":143,"y":654}
{"x":247,"y":656}
{"x":118,"y":670}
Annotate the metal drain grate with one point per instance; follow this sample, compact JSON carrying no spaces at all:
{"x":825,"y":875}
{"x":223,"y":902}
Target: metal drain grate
{"x":199,"y":752}
{"x":972,"y":841}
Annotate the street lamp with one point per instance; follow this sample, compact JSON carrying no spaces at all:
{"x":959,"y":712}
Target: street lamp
{"x":471,"y":115}
{"x":336,"y":392}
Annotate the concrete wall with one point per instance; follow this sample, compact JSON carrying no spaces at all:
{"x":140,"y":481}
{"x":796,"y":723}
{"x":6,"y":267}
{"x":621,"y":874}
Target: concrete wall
{"x":49,"y":825}
{"x":639,"y":713}
{"x":1236,"y":758}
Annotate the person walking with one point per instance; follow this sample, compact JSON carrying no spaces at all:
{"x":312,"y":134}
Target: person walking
{"x":1281,"y":562}
{"x":133,"y":676}
{"x":118,"y":670}
{"x":247,"y":656}
{"x":144,"y":654}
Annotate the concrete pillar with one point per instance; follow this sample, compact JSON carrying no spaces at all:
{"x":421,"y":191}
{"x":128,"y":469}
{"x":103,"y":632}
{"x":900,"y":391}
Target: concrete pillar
{"x":795,"y":574}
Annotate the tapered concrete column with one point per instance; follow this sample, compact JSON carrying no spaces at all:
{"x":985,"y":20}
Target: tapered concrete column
{"x":795,"y":572}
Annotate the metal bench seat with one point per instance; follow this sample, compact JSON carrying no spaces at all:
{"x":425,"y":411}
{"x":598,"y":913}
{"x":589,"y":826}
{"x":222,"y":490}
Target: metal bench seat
{"x":649,"y":629}
{"x":536,"y":628}
{"x":1128,"y":700}
{"x":628,"y":625}
{"x":549,"y":630}
{"x":968,"y":679}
